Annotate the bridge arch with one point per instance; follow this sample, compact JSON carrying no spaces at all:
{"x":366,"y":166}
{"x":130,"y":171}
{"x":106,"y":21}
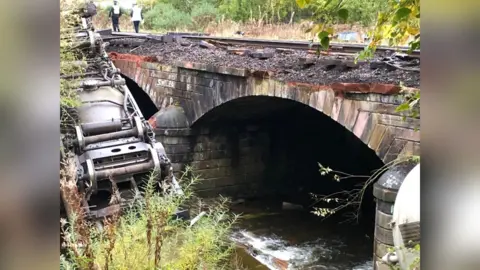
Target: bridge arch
{"x":293,"y":138}
{"x":226,"y":122}
{"x":368,"y":110}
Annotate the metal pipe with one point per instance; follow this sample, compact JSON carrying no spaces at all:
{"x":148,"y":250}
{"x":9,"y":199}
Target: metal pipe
{"x":102,"y":127}
{"x":132,"y":169}
{"x":96,"y":83}
{"x":390,"y":258}
{"x":111,"y":136}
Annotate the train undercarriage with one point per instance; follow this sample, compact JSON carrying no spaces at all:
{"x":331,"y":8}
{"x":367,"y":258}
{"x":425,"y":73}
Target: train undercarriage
{"x":112,"y":145}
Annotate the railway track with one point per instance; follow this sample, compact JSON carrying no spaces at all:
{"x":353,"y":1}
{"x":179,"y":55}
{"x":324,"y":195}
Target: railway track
{"x":264,"y":43}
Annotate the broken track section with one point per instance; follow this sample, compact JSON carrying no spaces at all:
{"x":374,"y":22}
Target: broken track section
{"x":282,"y":64}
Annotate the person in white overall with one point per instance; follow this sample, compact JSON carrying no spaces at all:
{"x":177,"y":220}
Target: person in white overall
{"x":137,"y":16}
{"x":115,"y":14}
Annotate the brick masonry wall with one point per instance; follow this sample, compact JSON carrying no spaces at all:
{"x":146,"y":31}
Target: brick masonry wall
{"x":367,"y":110}
{"x":228,"y":165}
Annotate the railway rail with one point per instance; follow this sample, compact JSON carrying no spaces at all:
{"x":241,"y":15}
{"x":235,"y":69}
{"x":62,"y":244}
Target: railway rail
{"x":264,"y":43}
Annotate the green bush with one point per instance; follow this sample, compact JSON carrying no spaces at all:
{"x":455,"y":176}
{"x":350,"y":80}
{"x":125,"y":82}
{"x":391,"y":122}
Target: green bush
{"x":146,"y":236}
{"x":203,"y":13}
{"x":364,"y":12}
{"x":166,"y":17}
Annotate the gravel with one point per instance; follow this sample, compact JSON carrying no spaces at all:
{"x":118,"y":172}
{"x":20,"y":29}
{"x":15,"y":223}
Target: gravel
{"x":286,"y":66}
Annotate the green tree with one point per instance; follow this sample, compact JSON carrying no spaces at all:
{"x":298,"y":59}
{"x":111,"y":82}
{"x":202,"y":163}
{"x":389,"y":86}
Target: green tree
{"x":397,"y":22}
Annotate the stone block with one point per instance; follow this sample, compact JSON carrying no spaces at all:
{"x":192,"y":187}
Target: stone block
{"x":170,"y":84}
{"x":212,"y":163}
{"x":261,"y":87}
{"x":208,"y":146}
{"x":352,"y":115}
{"x":207,"y":82}
{"x":344,"y":111}
{"x":149,"y":65}
{"x":317,"y":100}
{"x":177,"y":148}
{"x":166,"y":68}
{"x":387,"y":140}
{"x":398,"y":121}
{"x":179,"y":132}
{"x":205,"y":184}
{"x":180,"y":158}
{"x":395,"y":149}
{"x":197,"y":156}
{"x":178,"y":167}
{"x":138,"y":72}
{"x":410,"y":148}
{"x":408,"y":134}
{"x":174,"y":140}
{"x":218,"y":172}
{"x":132,"y":64}
{"x":337,"y":106}
{"x":328,"y":104}
{"x":164,"y":75}
{"x":376,"y":136}
{"x":361,"y":124}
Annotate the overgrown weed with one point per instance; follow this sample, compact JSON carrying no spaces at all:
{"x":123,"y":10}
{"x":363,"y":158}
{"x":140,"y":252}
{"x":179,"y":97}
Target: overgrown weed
{"x":148,"y":236}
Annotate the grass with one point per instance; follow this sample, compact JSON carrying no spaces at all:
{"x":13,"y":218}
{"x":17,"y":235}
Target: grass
{"x":146,"y":236}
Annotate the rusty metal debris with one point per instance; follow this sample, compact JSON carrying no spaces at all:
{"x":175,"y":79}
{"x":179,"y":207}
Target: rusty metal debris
{"x":204,"y":44}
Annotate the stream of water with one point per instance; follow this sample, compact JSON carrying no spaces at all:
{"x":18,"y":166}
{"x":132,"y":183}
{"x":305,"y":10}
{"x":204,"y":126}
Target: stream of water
{"x":270,"y":237}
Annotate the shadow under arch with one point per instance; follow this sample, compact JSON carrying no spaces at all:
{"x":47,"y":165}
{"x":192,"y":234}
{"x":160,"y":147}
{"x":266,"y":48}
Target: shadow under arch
{"x":144,"y":102}
{"x":296,"y":138}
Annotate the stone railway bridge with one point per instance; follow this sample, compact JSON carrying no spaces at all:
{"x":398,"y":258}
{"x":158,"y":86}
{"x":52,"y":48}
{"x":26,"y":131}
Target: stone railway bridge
{"x":246,"y":133}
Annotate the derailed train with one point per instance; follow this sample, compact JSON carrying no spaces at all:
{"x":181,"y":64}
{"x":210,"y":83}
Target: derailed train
{"x":114,"y":146}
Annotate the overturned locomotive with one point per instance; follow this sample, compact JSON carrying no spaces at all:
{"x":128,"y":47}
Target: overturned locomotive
{"x":114,"y":147}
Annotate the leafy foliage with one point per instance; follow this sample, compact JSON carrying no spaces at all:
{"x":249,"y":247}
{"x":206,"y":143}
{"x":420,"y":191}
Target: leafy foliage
{"x":262,"y":11}
{"x":397,"y":21}
{"x":146,"y":236}
{"x":165,"y":16}
{"x":411,"y":105}
{"x":204,"y":13}
{"x":350,"y":199}
{"x":71,"y":61}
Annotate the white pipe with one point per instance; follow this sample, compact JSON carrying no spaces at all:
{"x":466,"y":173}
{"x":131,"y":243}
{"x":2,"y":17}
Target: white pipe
{"x":390,"y":258}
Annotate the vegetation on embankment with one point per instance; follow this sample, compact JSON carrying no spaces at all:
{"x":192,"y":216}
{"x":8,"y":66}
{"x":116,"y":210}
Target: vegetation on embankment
{"x":68,"y":57}
{"x":147,"y":235}
{"x":281,"y":19}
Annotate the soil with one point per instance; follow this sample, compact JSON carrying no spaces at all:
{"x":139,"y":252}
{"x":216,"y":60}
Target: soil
{"x":285,"y":65}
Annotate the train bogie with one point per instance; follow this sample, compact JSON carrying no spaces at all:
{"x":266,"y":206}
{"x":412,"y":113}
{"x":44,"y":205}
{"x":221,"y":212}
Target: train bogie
{"x":114,"y":147}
